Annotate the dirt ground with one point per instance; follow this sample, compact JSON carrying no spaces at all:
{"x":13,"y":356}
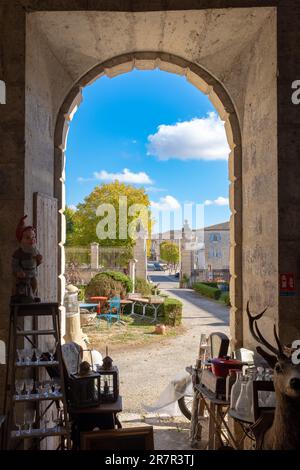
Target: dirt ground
{"x":147,"y":367}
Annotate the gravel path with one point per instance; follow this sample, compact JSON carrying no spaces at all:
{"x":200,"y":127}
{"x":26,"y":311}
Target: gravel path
{"x":145,"y":372}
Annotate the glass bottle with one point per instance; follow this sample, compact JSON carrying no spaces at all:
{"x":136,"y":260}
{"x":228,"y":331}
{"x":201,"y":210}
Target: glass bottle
{"x":261,"y":395}
{"x":242,"y":405}
{"x":230,"y":380}
{"x":236,"y":389}
{"x":251,"y":373}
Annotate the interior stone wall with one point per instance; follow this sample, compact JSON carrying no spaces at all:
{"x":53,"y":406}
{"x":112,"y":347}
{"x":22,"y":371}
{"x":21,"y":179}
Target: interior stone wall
{"x":260,"y":198}
{"x":40,"y":112}
{"x":12,"y":151}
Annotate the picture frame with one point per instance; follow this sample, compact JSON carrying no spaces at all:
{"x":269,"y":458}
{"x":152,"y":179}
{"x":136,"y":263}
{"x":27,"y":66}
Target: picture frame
{"x":129,"y":438}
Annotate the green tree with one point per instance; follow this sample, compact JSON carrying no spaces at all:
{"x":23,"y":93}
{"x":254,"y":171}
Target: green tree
{"x":169,"y":252}
{"x":70,"y":225}
{"x":86,"y":221}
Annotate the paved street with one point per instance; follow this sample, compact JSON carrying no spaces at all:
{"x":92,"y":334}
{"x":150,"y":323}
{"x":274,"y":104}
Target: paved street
{"x":197,"y":311}
{"x":145,"y":372}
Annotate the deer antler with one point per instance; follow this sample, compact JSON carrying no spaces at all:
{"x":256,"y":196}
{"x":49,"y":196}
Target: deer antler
{"x":259,"y":337}
{"x":280,"y":348}
{"x":252,"y":319}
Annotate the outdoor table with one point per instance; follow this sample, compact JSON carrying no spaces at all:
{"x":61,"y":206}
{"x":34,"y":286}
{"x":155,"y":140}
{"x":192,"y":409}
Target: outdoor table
{"x":217,"y":410}
{"x":103,"y":416}
{"x":125,"y":302}
{"x":100,"y":299}
{"x":144,"y":302}
{"x":88,"y":305}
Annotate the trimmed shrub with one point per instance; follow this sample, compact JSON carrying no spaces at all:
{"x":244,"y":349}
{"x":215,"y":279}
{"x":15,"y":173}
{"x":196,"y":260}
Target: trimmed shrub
{"x":172,"y":311}
{"x":223,"y":286}
{"x":108,"y":283}
{"x":225,"y":298}
{"x":117,"y":276}
{"x":210,"y":284}
{"x":142,"y":287}
{"x":207,"y":291}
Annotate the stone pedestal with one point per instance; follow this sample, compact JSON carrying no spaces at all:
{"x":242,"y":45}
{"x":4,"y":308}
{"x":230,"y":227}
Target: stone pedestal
{"x":94,"y":255}
{"x":73,"y":327}
{"x":140,"y":254}
{"x":186,"y":263}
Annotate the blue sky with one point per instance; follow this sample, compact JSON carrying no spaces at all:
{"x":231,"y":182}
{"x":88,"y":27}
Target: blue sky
{"x":153,"y":129}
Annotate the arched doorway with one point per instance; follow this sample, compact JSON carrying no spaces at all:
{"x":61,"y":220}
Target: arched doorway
{"x":220,"y":98}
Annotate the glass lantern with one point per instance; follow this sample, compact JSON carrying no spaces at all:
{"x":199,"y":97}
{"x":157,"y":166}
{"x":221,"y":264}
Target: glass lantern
{"x":109,"y":381}
{"x":84,"y":390}
{"x":84,"y":385}
{"x":109,"y":384}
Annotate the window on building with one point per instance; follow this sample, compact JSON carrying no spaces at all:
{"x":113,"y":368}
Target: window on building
{"x":215,"y":237}
{"x":215,"y":253}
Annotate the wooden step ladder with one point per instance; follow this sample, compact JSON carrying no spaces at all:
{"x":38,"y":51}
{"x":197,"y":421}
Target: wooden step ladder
{"x":39,"y":368}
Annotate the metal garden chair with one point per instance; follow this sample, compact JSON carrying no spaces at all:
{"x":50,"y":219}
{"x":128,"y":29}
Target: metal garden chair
{"x":114,"y":310}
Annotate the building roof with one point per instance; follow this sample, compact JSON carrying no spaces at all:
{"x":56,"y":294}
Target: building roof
{"x":217,"y":227}
{"x":224,"y":226}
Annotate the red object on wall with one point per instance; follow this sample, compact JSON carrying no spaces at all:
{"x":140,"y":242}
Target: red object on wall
{"x":286,"y":282}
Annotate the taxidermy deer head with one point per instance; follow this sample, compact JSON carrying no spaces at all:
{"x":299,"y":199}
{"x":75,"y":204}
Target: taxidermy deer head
{"x":284,"y":432}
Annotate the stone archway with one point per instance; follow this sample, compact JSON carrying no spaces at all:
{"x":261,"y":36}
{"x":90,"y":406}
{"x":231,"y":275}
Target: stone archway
{"x":218,"y":95}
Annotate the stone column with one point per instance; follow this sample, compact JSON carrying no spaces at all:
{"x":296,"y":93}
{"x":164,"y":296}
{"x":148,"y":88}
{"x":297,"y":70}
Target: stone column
{"x":140,"y":253}
{"x":132,"y":264}
{"x":186,"y":264}
{"x":288,"y":20}
{"x":94,"y":256}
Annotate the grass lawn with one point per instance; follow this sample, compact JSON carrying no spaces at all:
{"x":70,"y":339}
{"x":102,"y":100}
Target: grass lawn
{"x":133,"y":332}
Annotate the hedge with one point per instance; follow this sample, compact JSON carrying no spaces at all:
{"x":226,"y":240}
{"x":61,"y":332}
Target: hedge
{"x":210,"y":284}
{"x":207,"y":291}
{"x":117,"y":276}
{"x":172,"y":311}
{"x":109,"y":283}
{"x":226,"y":298}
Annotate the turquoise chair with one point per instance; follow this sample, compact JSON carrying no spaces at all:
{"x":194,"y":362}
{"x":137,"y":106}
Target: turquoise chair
{"x":114,"y":309}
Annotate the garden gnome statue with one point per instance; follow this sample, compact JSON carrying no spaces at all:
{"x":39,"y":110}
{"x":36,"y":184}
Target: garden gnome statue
{"x":25,"y":261}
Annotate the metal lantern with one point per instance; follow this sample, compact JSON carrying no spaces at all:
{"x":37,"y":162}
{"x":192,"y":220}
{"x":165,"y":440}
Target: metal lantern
{"x":84,"y":387}
{"x":109,"y":381}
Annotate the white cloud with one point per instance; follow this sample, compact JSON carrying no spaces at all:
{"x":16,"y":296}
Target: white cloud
{"x":73,"y":207}
{"x":153,"y":189}
{"x":198,"y":139}
{"x":80,"y":179}
{"x":220,"y":201}
{"x":126,"y":176}
{"x":168,"y":203}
